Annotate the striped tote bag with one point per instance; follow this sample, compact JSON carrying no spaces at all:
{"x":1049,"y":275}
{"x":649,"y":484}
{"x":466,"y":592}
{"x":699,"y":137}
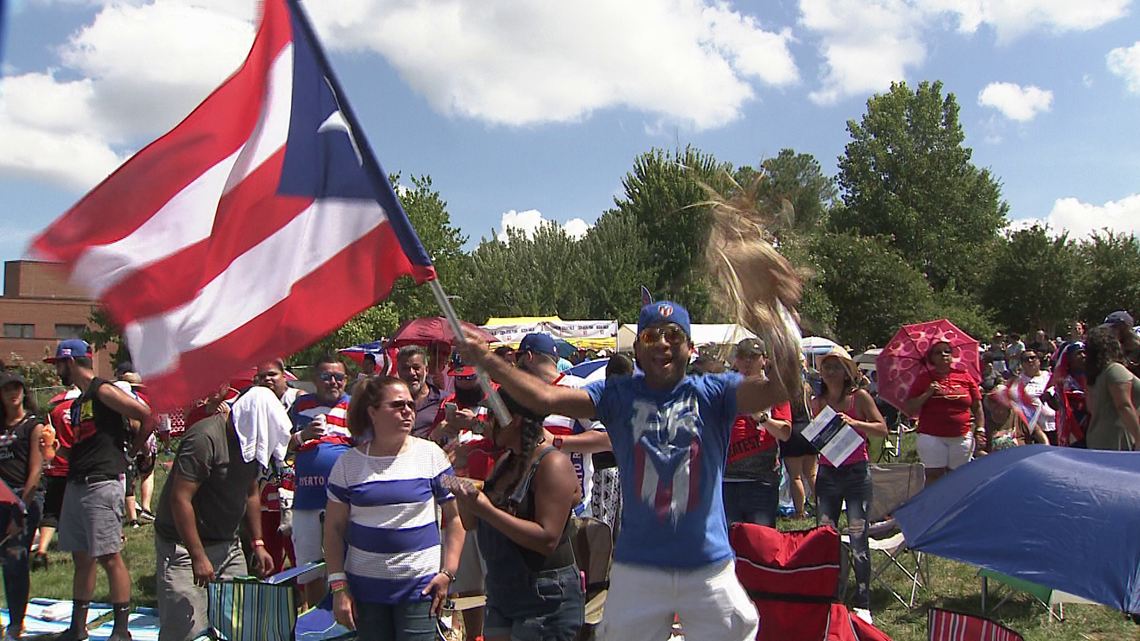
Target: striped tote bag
{"x":248,"y":609}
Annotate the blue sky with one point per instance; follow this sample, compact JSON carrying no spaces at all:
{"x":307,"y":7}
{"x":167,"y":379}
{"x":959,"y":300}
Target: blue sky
{"x":527,"y":111}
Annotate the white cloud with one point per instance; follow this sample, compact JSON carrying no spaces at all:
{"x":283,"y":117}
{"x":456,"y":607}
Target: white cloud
{"x":696,"y":62}
{"x":867,"y":44}
{"x":127,"y":77}
{"x":1081,"y":219}
{"x":1014,"y":101}
{"x":1013,"y":18}
{"x":1125,"y":62}
{"x":531,"y":220}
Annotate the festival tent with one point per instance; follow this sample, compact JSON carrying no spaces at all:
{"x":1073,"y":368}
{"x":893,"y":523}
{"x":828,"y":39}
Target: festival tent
{"x":702,"y":334}
{"x":1059,"y":517}
{"x":583,"y":334}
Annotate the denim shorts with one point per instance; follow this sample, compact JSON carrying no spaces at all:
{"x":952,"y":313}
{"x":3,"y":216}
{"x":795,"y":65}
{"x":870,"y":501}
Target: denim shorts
{"x":557,"y":616}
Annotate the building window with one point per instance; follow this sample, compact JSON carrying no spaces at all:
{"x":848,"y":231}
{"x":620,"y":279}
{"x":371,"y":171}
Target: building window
{"x":19,"y":330}
{"x":64,"y":332}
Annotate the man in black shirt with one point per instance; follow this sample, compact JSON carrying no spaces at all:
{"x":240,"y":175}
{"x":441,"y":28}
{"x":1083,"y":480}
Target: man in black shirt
{"x":91,"y":518}
{"x":211,"y":489}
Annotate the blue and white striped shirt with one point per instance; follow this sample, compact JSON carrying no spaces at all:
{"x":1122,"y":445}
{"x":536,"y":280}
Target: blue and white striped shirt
{"x":392,"y":537}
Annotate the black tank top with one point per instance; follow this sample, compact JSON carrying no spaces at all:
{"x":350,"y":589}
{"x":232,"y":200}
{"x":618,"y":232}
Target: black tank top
{"x":522,"y":502}
{"x":15,"y":447}
{"x":100,"y":437}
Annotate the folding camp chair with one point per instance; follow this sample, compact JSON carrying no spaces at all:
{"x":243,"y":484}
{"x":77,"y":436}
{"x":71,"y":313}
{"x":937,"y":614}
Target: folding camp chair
{"x":251,"y":609}
{"x":1052,"y":600}
{"x":944,"y":625}
{"x":891,"y":485}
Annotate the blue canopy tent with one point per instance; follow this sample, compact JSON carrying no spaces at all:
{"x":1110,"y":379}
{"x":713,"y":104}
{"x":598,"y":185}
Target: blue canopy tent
{"x":1058,"y":517}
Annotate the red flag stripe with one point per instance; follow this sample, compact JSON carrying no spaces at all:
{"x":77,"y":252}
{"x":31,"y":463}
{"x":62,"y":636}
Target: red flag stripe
{"x":245,"y":219}
{"x":225,"y":128}
{"x":319,"y":303}
{"x":319,"y":234}
{"x":171,"y":229}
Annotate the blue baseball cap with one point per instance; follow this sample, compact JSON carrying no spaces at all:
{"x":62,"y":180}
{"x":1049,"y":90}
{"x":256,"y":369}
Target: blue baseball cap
{"x":664,"y":311}
{"x":539,"y":344}
{"x":69,"y":349}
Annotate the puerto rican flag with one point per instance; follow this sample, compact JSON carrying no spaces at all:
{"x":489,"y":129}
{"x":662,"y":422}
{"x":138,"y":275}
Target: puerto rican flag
{"x":257,"y":225}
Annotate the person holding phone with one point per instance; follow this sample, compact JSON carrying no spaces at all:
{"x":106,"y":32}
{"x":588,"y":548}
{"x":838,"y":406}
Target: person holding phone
{"x":320,"y":437}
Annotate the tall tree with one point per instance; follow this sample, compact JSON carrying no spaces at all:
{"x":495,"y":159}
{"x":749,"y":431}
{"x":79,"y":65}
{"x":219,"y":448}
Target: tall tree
{"x":539,"y":275}
{"x":1112,"y":279}
{"x":1034,"y":282}
{"x":873,"y":289}
{"x":906,"y":176}
{"x":615,"y":259}
{"x":800,"y":180}
{"x":664,"y":195}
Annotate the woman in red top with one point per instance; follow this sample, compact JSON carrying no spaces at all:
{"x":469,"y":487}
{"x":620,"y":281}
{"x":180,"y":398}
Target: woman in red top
{"x":947,"y":403}
{"x":849,"y":481}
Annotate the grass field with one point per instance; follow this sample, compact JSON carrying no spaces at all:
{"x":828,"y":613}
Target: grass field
{"x":954,"y":586}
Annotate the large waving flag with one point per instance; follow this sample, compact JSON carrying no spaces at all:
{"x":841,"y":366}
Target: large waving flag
{"x":260,"y":223}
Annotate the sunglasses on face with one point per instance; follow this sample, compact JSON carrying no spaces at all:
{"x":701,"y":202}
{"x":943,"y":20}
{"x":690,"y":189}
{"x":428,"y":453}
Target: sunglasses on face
{"x":332,"y":376}
{"x":1031,"y":357}
{"x":399,"y":405}
{"x":673,"y":334}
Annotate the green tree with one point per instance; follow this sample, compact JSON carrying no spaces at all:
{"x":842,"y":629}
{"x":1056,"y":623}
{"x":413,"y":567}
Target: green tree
{"x":1110,"y":281}
{"x":664,"y":195}
{"x":874,"y":291}
{"x":906,"y":176}
{"x":615,"y":260}
{"x":799,"y":179}
{"x":1034,"y":282}
{"x":539,"y":275}
{"x":102,"y":332}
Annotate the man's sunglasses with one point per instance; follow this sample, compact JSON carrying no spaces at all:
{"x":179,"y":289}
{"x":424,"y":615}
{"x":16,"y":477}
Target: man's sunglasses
{"x":673,"y":334}
{"x":332,"y":376}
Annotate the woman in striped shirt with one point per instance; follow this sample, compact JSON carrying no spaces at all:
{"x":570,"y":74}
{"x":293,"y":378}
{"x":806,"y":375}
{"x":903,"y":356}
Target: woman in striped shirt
{"x":382,"y":544}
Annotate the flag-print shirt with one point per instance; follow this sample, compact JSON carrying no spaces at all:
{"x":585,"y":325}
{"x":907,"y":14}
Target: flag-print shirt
{"x":392,"y":535}
{"x":671,"y":447}
{"x":315,"y":458}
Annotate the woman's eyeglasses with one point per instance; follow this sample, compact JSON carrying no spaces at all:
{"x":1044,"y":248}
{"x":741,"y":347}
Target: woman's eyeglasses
{"x":399,"y":405}
{"x":332,"y":376}
{"x":673,"y":334}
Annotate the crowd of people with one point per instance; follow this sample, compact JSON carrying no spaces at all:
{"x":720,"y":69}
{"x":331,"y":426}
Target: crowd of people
{"x":409,"y":490}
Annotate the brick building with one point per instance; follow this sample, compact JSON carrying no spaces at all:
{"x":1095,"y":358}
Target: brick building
{"x":39,"y":309}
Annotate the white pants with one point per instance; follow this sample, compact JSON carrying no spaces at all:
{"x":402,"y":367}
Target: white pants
{"x":945,"y":451}
{"x":308,"y":541}
{"x":710,"y":602}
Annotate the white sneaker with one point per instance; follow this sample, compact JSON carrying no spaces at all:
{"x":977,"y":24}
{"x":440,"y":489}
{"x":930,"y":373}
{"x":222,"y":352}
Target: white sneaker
{"x":864,"y":614}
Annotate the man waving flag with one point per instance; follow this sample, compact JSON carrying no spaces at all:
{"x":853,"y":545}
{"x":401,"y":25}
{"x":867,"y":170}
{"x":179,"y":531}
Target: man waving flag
{"x":257,"y":225}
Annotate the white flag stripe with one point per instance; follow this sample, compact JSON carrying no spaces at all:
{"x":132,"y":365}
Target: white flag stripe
{"x":396,"y":564}
{"x":272,"y":128}
{"x":188,"y":217}
{"x":232,"y":299}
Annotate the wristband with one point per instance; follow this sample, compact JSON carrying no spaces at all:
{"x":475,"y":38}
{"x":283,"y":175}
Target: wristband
{"x":338,"y":586}
{"x":257,"y":543}
{"x":449,"y":575}
{"x":338,"y":576}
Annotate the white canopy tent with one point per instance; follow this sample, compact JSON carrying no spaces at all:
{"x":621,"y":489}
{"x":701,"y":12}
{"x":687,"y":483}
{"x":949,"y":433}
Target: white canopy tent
{"x":703,"y":334}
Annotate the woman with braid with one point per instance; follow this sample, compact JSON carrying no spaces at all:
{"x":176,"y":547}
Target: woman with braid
{"x":522,"y":516}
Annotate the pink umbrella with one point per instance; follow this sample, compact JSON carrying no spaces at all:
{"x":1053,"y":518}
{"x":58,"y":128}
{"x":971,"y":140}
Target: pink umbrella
{"x":432,"y":331}
{"x":904,"y":357}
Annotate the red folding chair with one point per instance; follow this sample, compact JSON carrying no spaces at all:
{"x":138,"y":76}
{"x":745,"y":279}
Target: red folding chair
{"x":944,"y":625}
{"x":792,"y":579}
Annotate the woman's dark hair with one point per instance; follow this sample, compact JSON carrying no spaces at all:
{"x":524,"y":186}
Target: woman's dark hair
{"x":619,"y":365}
{"x":849,"y":386}
{"x":368,"y":393}
{"x":1102,"y":347}
{"x":529,"y":438}
{"x":30,"y":407}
